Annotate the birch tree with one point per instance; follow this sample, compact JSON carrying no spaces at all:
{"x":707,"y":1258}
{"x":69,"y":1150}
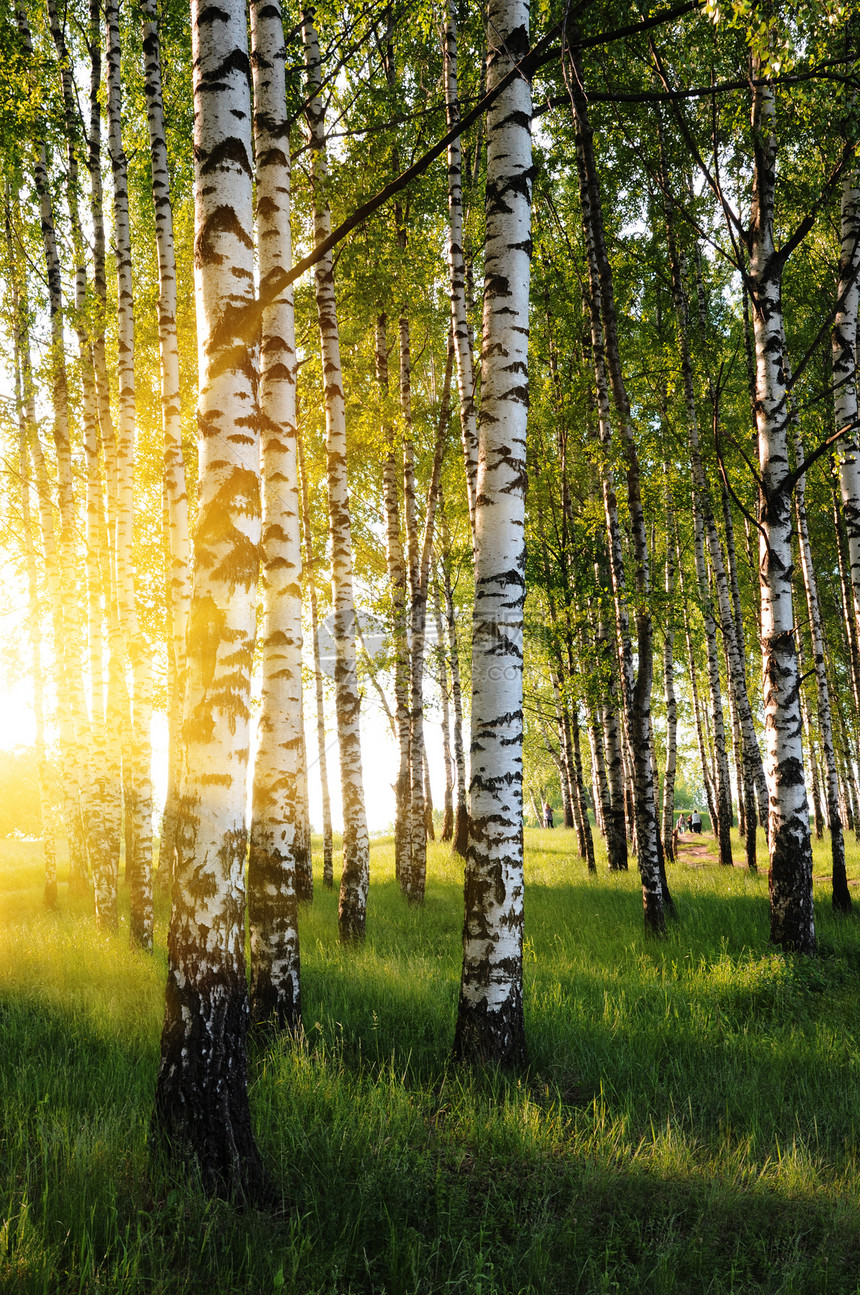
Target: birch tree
{"x":352,"y":907}
{"x":276,"y":810}
{"x":490,"y":1010}
{"x":201,"y":1105}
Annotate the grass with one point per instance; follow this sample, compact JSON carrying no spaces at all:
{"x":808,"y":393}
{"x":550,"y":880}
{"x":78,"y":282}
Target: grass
{"x":688,"y":1123}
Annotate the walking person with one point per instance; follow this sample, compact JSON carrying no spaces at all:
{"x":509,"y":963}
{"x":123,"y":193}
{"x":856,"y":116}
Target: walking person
{"x":547,"y":814}
{"x":696,"y":822}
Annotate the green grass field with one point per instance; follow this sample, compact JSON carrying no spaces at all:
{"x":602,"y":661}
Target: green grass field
{"x":689,"y":1121}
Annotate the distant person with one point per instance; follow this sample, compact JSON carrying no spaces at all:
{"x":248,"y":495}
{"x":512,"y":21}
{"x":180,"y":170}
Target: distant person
{"x":682,"y":825}
{"x":547,"y":814}
{"x":696,"y":822}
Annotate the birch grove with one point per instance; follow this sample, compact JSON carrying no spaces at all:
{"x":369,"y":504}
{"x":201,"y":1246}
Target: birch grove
{"x":274,"y":607}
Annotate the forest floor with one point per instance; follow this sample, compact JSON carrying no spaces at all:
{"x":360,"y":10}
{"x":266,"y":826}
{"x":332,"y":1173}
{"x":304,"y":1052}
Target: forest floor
{"x":689,"y":1120}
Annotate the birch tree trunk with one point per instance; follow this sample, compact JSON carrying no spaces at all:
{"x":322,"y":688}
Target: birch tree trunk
{"x":579,"y":787}
{"x":310,"y":568}
{"x":490,"y":1023}
{"x":457,"y":266}
{"x":847,"y":620}
{"x":760,"y":788}
{"x":117,"y":717}
{"x":704,"y":531}
{"x":790,"y":881}
{"x":90,"y":752}
{"x":447,"y":832}
{"x":707,"y":774}
{"x":668,"y":821}
{"x":843,"y":345}
{"x":201,"y":1107}
{"x":412,"y":881}
{"x":841,"y":894}
{"x":139,"y":868}
{"x":74,"y":722}
{"x":352,"y":906}
{"x":27,"y":431}
{"x":636,"y":684}
{"x":397,"y":585}
{"x":460,"y":839}
{"x":418,"y":622}
{"x":616,"y":823}
{"x":177,"y":536}
{"x":272,"y":861}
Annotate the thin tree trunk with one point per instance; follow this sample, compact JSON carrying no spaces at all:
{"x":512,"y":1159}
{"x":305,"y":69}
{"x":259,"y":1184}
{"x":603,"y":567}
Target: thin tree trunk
{"x":790,"y":882}
{"x":847,"y":620}
{"x":602,"y":798}
{"x":704,"y":532}
{"x":310,"y":568}
{"x":841,"y":896}
{"x":177,"y":535}
{"x":636,"y":684}
{"x":461,"y":812}
{"x":760,"y":788}
{"x":844,"y":360}
{"x":397,"y":584}
{"x":139,"y":868}
{"x":25,"y":410}
{"x":707,"y":777}
{"x":668,"y":821}
{"x":352,"y":906}
{"x":419,"y":589}
{"x":490,"y":1025}
{"x":428,"y":801}
{"x":73,"y":719}
{"x":457,"y":266}
{"x":580,"y":791}
{"x":272,"y":860}
{"x":447,"y":832}
{"x":616,"y":823}
{"x":201,"y":1109}
{"x":118,"y":722}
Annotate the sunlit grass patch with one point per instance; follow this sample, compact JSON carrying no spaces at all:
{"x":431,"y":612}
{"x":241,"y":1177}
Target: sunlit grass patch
{"x":686,"y":1121}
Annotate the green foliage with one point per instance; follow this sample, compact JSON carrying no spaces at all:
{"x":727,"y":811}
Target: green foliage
{"x":685,"y":1123}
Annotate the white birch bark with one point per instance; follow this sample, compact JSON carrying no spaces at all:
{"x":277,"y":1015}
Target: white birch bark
{"x":447,"y":832}
{"x":670,"y":699}
{"x":840,"y":893}
{"x":616,"y":822}
{"x":27,"y":431}
{"x":790,"y":881}
{"x":202,"y":1108}
{"x":843,"y":349}
{"x":490,"y":1011}
{"x":116,"y":702}
{"x":72,"y":714}
{"x":397,"y":584}
{"x":275,"y":810}
{"x":177,"y":537}
{"x":636,"y":684}
{"x":139,"y":782}
{"x":352,"y":906}
{"x":460,"y":839}
{"x":457,"y":266}
{"x":707,"y":768}
{"x":90,"y":791}
{"x":310,"y":569}
{"x":412,"y":880}
{"x":750,"y":769}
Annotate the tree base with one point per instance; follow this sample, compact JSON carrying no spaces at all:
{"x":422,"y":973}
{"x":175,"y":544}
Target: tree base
{"x":484,"y":1037}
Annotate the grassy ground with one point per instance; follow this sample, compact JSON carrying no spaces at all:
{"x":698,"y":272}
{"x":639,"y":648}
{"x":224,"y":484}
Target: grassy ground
{"x":689,"y":1121}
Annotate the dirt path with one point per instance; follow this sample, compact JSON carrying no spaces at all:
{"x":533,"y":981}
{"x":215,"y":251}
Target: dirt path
{"x":700,"y":851}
